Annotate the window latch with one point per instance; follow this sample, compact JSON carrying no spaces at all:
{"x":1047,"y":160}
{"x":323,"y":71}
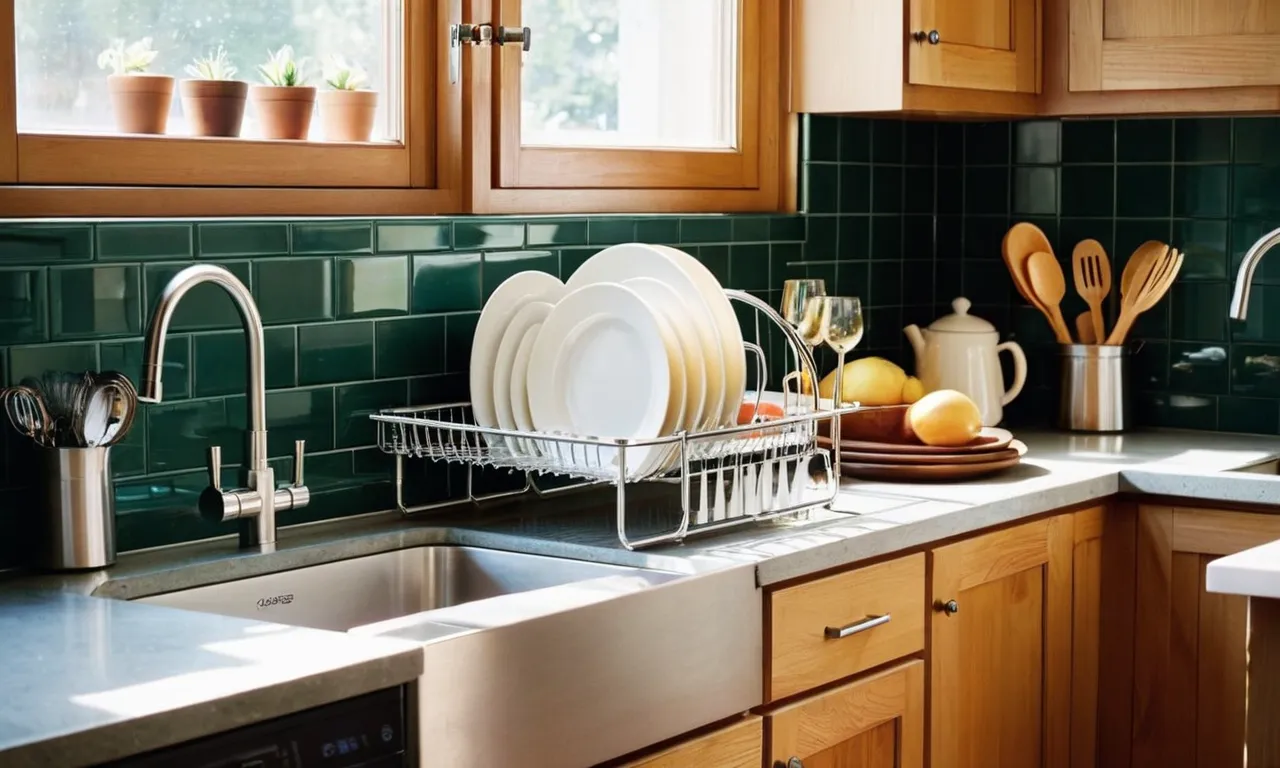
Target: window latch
{"x":481,"y":34}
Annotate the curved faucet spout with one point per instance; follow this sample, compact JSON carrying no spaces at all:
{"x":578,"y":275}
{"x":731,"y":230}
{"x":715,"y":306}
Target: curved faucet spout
{"x":1244,"y":278}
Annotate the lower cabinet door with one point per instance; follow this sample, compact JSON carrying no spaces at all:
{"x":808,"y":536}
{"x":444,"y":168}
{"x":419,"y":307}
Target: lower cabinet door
{"x":874,"y":722}
{"x":734,"y":746}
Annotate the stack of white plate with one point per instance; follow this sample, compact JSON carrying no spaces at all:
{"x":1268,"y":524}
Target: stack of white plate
{"x":640,"y":343}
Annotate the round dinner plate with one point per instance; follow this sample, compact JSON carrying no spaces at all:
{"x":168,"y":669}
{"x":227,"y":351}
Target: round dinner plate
{"x":689,"y":365}
{"x":600,"y":368}
{"x":519,"y":387}
{"x":619,"y":263}
{"x":507,"y":299}
{"x":988,"y":440}
{"x":529,"y":316}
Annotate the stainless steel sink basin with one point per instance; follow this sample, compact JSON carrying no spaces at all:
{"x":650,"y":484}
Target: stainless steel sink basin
{"x":1263,"y":468}
{"x":365,"y":590}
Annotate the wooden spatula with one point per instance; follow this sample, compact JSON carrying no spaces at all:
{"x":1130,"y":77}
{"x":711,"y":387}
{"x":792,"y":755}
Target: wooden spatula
{"x":1084,"y":328}
{"x":1151,"y":282}
{"x":1049,"y":286}
{"x":1022,"y":240}
{"x":1092,"y":272}
{"x":1140,"y":262}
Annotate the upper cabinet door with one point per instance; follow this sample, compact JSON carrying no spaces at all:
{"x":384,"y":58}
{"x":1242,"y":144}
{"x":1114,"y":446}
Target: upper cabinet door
{"x":1121,"y":45}
{"x":990,"y":45}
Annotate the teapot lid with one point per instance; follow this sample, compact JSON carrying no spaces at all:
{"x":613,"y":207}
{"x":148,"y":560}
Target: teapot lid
{"x":961,"y":321}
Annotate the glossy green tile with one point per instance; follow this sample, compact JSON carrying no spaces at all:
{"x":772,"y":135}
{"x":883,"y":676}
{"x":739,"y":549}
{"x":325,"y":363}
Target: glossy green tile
{"x":1131,"y":233}
{"x":821,"y":137}
{"x":665,"y":230}
{"x":294,"y":290}
{"x":1073,"y":230}
{"x":917,"y":237}
{"x":557,"y":232}
{"x":1198,"y":311}
{"x":503,"y":264}
{"x":136,"y":242}
{"x":886,"y":189}
{"x":418,"y":237}
{"x":1159,"y":409}
{"x":1035,"y":191}
{"x":299,"y":414}
{"x":787,"y":228}
{"x":126,"y":357}
{"x":333,"y":237}
{"x":886,"y":141}
{"x":204,"y":307}
{"x":1088,"y":141}
{"x":572,"y":258}
{"x":746,"y":229}
{"x":94,"y":301}
{"x":855,"y":188}
{"x":219,"y":362}
{"x":949,"y":193}
{"x":886,"y":237}
{"x":469,"y":235}
{"x":986,"y":189}
{"x":179,"y":434}
{"x":446,"y":282}
{"x":40,"y":243}
{"x":354,"y":404}
{"x":885,"y":288}
{"x":950,"y":144}
{"x":1202,"y":139}
{"x":1249,"y":414}
{"x":609,"y":231}
{"x":919,"y":143}
{"x":129,"y":456}
{"x":459,"y":332}
{"x":1088,"y":190}
{"x":333,"y":353}
{"x":853,"y":238}
{"x":749,"y":267}
{"x":822,"y":182}
{"x":1263,"y":323}
{"x":409,"y":347}
{"x":1197,"y":368}
{"x":949,"y":238}
{"x":1201,"y":190}
{"x":1150,"y":365}
{"x":1255,"y":139}
{"x":1203,"y":243}
{"x":1255,"y":370}
{"x":1256,"y":190}
{"x":1144,"y":140}
{"x":1036,"y":142}
{"x":785,"y":261}
{"x":1153,"y":324}
{"x":855,"y":140}
{"x":983,"y":236}
{"x":883,"y":328}
{"x":986,"y":282}
{"x":706,"y":229}
{"x":219,"y":241}
{"x":917,"y":286}
{"x":35,"y":360}
{"x":986,"y":143}
{"x":1143,"y":190}
{"x":917,"y":190}
{"x":716,"y":259}
{"x":373,"y":287}
{"x":23,"y":303}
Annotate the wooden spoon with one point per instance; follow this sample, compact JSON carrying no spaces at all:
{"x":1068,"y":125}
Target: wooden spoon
{"x":1092,"y":272}
{"x":1149,"y":285}
{"x":1084,"y":328}
{"x":1022,"y":240}
{"x":1140,"y":262}
{"x":1049,"y":286}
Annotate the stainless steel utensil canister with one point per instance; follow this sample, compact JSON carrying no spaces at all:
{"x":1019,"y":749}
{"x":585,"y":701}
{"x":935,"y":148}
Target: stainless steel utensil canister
{"x":1095,"y":388}
{"x":79,"y":513}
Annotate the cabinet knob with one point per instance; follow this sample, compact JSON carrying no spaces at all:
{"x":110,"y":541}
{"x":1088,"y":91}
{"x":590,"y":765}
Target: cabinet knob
{"x":792,"y":763}
{"x":950,"y":607}
{"x":931,"y":37}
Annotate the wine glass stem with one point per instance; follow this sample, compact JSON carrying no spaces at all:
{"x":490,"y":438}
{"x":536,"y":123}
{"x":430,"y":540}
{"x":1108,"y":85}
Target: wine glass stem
{"x":837,"y":399}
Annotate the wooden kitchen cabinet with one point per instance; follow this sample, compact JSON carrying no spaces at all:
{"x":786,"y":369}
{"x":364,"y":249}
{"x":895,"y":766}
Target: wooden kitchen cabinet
{"x":1000,"y":658}
{"x":988,"y":45}
{"x":734,"y":746}
{"x":874,"y":722}
{"x":1190,"y":666}
{"x":1138,"y":44}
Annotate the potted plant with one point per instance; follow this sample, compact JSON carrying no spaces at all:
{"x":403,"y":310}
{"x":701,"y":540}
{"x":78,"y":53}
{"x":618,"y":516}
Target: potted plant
{"x":284,"y":105}
{"x":140,"y":100}
{"x":347,"y":111}
{"x":211,"y":99}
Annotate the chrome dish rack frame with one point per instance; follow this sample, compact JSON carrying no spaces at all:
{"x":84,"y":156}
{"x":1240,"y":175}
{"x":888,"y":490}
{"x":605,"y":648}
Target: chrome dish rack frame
{"x":726,"y":477}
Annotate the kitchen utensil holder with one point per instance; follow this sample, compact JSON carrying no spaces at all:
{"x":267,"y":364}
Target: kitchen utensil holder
{"x":79,"y":510}
{"x":1095,"y":387}
{"x":726,"y":477}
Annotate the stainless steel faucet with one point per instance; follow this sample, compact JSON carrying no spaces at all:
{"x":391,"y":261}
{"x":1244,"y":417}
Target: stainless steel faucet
{"x":255,"y":504}
{"x":1244,"y":278}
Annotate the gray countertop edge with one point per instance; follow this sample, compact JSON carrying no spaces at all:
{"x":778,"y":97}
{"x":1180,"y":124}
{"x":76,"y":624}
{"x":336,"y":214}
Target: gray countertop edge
{"x":146,"y":733}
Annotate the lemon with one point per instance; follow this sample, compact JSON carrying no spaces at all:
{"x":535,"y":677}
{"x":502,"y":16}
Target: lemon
{"x":869,"y":381}
{"x":945,"y":418}
{"x":913,"y":390}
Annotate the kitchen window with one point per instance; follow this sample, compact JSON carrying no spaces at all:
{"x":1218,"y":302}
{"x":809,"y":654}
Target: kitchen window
{"x":617,"y":105}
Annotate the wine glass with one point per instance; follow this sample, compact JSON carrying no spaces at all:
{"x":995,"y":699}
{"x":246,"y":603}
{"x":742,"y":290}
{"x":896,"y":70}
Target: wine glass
{"x":795,"y":301}
{"x":839,"y":320}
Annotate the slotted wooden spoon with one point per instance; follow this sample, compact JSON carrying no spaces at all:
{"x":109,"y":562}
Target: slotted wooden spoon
{"x":1049,"y":286}
{"x":1148,"y":287}
{"x":1092,"y":272}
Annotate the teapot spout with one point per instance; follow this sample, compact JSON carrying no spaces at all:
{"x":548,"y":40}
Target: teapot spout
{"x":916,"y":338}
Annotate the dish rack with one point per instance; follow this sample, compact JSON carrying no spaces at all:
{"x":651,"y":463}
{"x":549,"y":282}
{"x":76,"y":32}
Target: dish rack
{"x":724,"y":477}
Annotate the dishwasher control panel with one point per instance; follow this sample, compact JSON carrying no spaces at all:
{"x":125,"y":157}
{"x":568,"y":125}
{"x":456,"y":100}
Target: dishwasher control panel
{"x":364,"y":732}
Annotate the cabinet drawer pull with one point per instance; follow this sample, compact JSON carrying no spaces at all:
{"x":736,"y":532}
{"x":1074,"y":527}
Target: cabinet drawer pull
{"x":871,"y":622}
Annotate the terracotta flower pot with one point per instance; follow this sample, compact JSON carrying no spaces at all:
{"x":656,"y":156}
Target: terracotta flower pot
{"x":141,"y":102}
{"x":214,"y":107}
{"x":348,"y":115}
{"x":284,"y":111}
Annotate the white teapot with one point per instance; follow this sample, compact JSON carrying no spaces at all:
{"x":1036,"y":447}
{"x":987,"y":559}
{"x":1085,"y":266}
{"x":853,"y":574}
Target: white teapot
{"x":962,"y":352}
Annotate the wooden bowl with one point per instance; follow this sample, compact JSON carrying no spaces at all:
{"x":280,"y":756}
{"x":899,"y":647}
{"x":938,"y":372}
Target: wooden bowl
{"x":876,"y":424}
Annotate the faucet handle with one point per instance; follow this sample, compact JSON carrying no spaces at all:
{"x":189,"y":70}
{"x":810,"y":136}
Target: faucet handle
{"x":299,"y":452}
{"x":215,"y":468}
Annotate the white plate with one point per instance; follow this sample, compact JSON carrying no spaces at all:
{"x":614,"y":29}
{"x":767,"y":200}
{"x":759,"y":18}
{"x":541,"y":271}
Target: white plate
{"x":519,"y":387}
{"x":599,"y":369}
{"x":530,"y":315}
{"x":686,"y":364}
{"x":623,"y":262}
{"x":735,"y":358}
{"x":514,"y":292}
